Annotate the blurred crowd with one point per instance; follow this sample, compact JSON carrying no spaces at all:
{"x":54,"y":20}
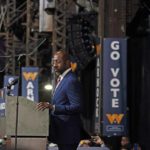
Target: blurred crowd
{"x":93,"y":141}
{"x":127,"y":145}
{"x":97,"y":141}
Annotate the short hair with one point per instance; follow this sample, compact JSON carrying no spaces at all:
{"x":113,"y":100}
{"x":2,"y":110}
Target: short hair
{"x":64,"y":53}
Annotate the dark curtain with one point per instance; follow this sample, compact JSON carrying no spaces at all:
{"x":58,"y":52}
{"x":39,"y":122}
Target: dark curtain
{"x":88,"y":81}
{"x":139,"y":90}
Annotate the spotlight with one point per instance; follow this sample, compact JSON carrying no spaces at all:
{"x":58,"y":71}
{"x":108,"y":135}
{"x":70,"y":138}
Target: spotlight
{"x":48,"y":87}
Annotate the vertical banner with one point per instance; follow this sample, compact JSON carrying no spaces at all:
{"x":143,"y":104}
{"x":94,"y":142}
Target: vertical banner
{"x":98,"y":95}
{"x":13,"y":89}
{"x":10,"y":90}
{"x":2,"y":103}
{"x":114,"y":87}
{"x":30,"y":83}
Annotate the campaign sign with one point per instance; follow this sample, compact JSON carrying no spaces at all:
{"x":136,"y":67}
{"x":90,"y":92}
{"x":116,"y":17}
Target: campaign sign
{"x":30,"y":83}
{"x":114,"y":117}
{"x":2,"y":108}
{"x":10,"y":89}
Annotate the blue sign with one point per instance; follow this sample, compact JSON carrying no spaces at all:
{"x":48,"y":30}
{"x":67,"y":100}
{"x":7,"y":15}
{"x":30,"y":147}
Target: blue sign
{"x":9,"y":90}
{"x":114,"y":86}
{"x":30,"y":83}
{"x":2,"y":104}
{"x":13,"y":89}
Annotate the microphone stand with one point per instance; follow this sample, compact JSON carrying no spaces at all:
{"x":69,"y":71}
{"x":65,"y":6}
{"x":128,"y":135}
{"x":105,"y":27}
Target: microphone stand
{"x":17,"y":103}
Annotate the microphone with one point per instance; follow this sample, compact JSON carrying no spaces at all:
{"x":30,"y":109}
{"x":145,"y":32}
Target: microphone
{"x":15,"y":81}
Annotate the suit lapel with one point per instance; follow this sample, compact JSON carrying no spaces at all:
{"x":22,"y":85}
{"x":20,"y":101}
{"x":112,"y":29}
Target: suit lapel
{"x":62,"y":82}
{"x":58,"y":88}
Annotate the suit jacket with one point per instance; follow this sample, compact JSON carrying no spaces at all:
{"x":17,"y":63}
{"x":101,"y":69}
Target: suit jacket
{"x":65,"y":123}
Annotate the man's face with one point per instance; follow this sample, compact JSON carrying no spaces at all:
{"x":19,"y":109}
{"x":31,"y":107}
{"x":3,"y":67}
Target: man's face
{"x":59,"y":63}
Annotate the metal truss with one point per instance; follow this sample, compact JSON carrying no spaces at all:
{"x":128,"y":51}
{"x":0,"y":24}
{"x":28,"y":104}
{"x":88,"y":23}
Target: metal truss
{"x":3,"y":10}
{"x":22,"y":15}
{"x":59,"y":30}
{"x":25,"y":15}
{"x":10,"y":48}
{"x":31,"y":60}
{"x":60,"y":16}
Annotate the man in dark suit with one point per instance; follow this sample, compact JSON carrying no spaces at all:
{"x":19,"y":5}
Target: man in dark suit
{"x":65,"y":123}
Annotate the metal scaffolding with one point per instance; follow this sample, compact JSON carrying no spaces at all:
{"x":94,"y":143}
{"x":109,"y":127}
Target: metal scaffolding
{"x":11,"y":17}
{"x":61,"y":13}
{"x":31,"y":60}
{"x":11,"y":14}
{"x":24,"y":15}
{"x":59,"y":30}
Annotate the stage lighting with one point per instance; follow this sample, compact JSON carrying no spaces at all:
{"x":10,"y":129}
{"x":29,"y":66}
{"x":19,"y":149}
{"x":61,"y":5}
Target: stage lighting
{"x":48,"y":87}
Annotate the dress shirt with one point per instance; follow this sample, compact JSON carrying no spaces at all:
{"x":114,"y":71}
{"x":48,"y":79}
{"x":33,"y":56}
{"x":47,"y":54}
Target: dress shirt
{"x":62,"y":76}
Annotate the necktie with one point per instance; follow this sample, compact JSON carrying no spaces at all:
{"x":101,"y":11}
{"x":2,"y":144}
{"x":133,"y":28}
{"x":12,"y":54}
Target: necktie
{"x":58,"y":80}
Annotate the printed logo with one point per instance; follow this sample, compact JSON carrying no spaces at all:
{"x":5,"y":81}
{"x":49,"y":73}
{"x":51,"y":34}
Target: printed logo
{"x":30,"y":75}
{"x":115,"y":118}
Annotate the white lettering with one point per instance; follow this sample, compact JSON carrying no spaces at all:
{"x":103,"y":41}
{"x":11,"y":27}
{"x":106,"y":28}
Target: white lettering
{"x":30,"y":92}
{"x":98,"y":62}
{"x":30,"y":85}
{"x":115,"y":71}
{"x":97,"y":92}
{"x":30,"y":97}
{"x":114,"y":82}
{"x":114,"y":92}
{"x":97,"y":82}
{"x":97,"y":112}
{"x":115,"y":55}
{"x":115,"y":103}
{"x":98,"y":73}
{"x":2,"y":106}
{"x":115,"y":45}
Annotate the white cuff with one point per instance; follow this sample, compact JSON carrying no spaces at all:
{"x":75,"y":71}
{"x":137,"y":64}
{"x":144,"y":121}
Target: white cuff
{"x":53,"y":109}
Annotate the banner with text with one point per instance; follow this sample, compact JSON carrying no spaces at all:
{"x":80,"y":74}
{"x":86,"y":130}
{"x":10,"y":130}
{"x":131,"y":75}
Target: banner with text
{"x":114,"y":86}
{"x":9,"y":90}
{"x":2,"y":103}
{"x":30,"y":83}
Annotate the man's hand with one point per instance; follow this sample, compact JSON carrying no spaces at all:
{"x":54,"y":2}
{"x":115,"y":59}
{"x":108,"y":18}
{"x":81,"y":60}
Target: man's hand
{"x":44,"y":105}
{"x":97,"y":140}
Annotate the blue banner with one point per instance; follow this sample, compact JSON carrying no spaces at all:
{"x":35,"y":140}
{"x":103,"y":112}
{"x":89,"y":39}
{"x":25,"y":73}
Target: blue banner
{"x":10,"y":90}
{"x":114,"y":87}
{"x":2,"y":103}
{"x":30,"y":83}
